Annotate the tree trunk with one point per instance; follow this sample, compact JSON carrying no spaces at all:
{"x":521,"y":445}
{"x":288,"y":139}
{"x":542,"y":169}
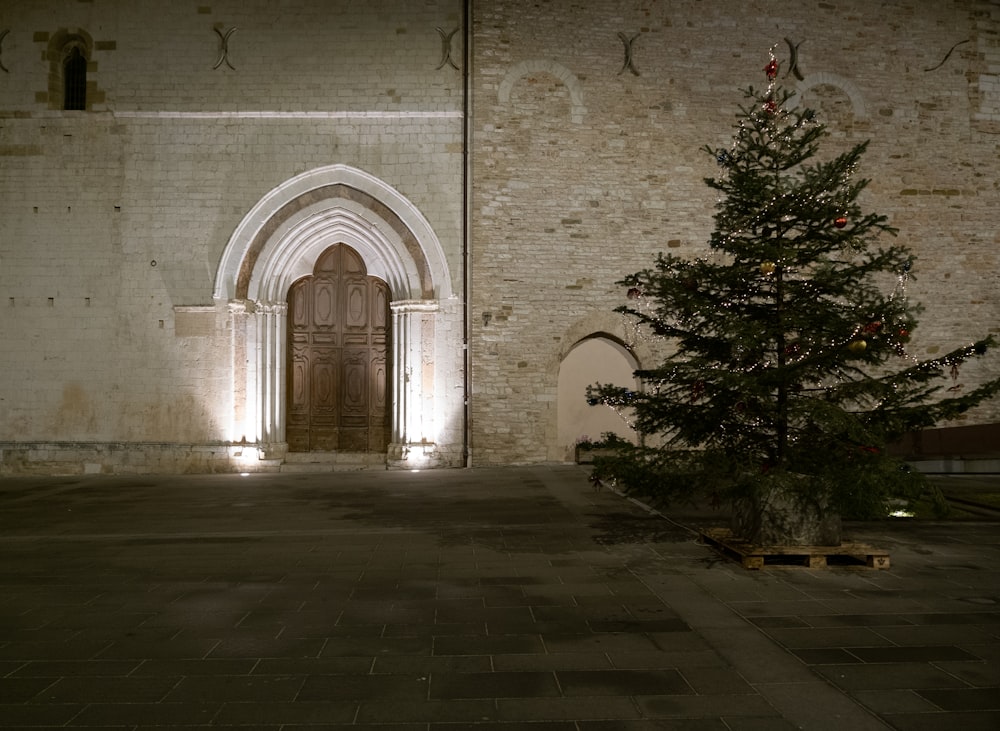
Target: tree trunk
{"x":784,"y":511}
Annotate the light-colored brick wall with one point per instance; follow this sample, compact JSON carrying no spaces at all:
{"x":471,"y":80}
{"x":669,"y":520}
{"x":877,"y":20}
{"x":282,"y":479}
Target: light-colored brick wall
{"x":581,"y":171}
{"x":114,"y":217}
{"x":584,"y":170}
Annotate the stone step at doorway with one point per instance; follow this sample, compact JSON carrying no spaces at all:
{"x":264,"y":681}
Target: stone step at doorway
{"x":311,"y":462}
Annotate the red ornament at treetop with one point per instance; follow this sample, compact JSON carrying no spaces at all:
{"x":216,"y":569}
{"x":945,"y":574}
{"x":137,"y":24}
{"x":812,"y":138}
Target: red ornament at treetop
{"x":771,"y":69}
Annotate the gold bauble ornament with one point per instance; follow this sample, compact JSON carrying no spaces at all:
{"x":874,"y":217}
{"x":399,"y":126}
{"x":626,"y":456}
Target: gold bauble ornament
{"x":767,"y":267}
{"x":857,"y":346}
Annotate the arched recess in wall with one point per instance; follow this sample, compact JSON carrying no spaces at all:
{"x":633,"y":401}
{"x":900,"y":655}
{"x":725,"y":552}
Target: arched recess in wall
{"x":526,"y":68}
{"x":600,"y":358}
{"x":278,"y":242}
{"x":616,"y":346}
{"x":823,"y":78}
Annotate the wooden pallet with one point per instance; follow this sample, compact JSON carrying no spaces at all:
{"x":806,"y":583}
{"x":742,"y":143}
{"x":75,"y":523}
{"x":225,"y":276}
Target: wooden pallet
{"x":757,"y":557}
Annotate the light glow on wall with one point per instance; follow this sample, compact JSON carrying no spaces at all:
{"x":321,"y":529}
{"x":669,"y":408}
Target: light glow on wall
{"x":418,"y":456}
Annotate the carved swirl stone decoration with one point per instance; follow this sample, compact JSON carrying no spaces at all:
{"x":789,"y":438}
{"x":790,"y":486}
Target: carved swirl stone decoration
{"x":629,"y":60}
{"x":224,"y":47}
{"x":3,"y":34}
{"x":446,"y":48}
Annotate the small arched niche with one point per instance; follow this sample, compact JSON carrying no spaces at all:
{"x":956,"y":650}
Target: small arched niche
{"x":598,"y":358}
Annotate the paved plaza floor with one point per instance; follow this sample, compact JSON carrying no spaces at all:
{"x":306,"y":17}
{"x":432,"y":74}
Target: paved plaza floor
{"x":509,"y":598}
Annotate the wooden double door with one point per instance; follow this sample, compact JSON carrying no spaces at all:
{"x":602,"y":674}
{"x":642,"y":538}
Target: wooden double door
{"x":338,"y":367}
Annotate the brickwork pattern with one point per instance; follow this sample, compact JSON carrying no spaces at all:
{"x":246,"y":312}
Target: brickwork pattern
{"x":115,"y":219}
{"x":584,"y":170}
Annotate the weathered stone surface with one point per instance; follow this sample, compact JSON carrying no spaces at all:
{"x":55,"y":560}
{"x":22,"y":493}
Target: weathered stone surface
{"x":115,"y":217}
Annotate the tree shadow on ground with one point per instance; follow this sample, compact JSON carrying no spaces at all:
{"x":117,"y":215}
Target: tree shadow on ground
{"x":622,"y":527}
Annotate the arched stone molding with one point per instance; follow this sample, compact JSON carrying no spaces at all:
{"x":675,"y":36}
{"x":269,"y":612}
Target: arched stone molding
{"x":601,"y":324}
{"x":522,"y":69}
{"x":331,"y":196}
{"x":297,"y":243}
{"x":823,"y":78}
{"x":60,"y":46}
{"x":278,"y":242}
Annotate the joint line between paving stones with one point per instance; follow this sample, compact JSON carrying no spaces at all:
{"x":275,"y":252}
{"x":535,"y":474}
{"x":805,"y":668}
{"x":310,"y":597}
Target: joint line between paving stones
{"x":746,"y":625}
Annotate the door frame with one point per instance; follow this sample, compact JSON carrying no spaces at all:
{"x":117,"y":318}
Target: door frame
{"x":278,"y":242}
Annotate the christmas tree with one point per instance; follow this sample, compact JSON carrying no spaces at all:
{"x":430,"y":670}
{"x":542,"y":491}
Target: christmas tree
{"x":788,"y":371}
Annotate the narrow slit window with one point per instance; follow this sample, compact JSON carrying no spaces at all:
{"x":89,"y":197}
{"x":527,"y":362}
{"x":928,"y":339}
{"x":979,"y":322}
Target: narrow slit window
{"x":75,"y":80}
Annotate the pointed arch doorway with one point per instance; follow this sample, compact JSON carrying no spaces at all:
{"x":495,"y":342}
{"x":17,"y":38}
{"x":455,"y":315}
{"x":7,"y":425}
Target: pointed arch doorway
{"x":338,"y":345}
{"x":278,"y":243}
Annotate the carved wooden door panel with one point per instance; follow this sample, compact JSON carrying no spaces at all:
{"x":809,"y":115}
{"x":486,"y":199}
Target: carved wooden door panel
{"x":338,"y":336}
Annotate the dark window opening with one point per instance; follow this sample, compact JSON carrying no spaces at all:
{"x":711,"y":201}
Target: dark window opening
{"x":75,"y":80}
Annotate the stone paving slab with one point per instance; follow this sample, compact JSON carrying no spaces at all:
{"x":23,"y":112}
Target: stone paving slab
{"x":911,"y":644}
{"x":488,"y":598}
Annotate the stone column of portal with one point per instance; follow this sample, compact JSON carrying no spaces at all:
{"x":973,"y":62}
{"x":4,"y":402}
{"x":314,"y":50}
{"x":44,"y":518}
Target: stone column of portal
{"x":281,"y":390}
{"x":270,"y":326}
{"x":409,"y":400}
{"x":239,"y":335}
{"x":258,"y":357}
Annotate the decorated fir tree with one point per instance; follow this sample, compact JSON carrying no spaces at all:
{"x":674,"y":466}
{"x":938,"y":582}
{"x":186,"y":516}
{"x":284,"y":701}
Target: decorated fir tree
{"x":788,"y":370}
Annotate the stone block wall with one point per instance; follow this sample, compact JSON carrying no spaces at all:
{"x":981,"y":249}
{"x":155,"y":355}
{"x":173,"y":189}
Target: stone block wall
{"x":587,"y":121}
{"x":115,"y":218}
{"x":587,"y":129}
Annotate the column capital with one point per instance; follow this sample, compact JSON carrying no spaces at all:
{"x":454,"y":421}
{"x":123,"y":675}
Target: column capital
{"x":278,"y":308}
{"x":404,"y":306}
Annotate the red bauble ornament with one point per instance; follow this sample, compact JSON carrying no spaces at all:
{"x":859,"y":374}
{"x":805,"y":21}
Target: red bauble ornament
{"x":873,"y":327}
{"x":840,"y":222}
{"x":634,"y":293}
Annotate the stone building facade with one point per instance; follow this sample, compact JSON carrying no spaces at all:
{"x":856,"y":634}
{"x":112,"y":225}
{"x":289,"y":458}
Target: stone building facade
{"x":169,"y":172}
